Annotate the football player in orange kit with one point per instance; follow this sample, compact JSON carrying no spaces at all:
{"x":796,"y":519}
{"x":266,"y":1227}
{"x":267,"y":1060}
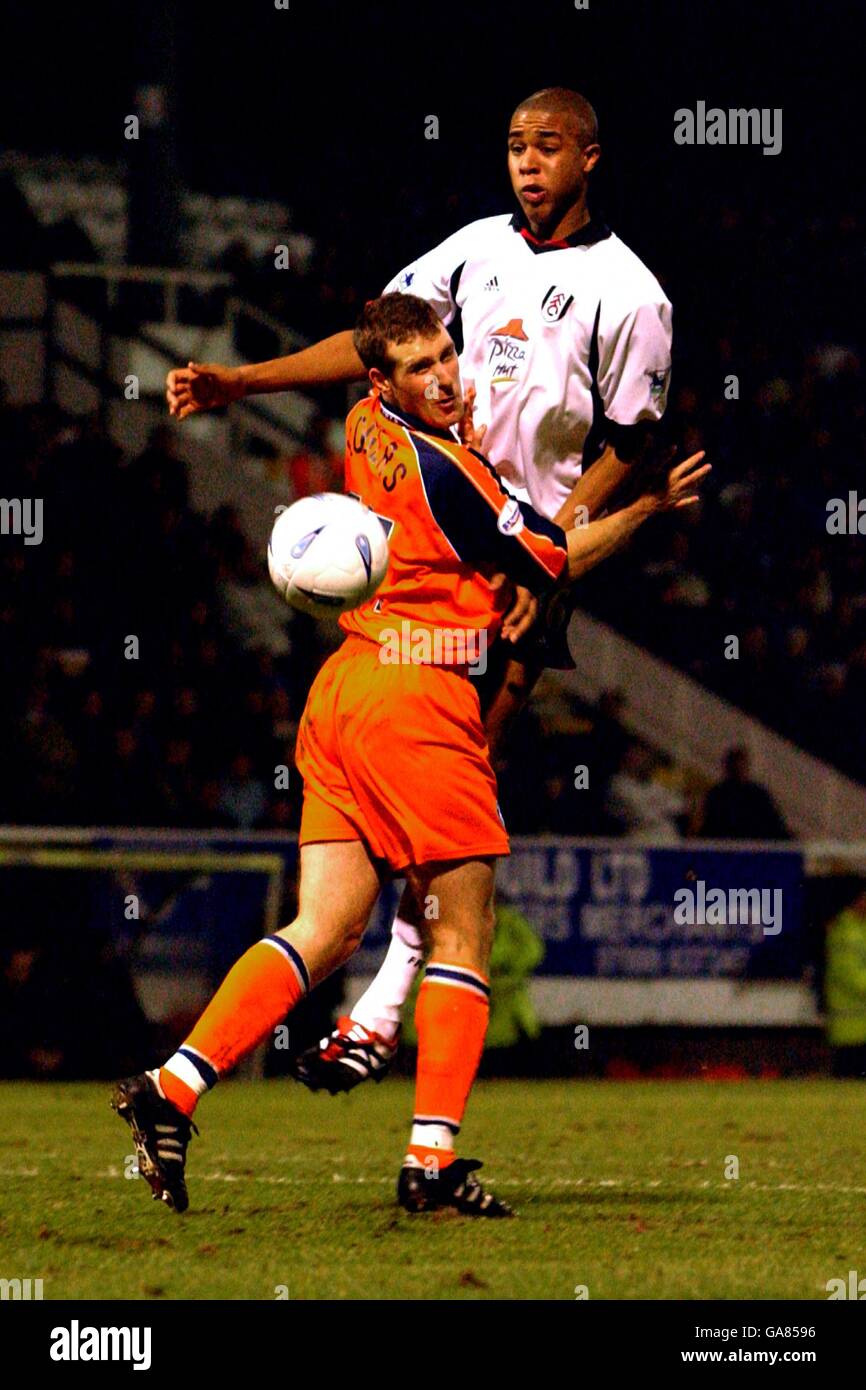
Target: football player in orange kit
{"x":566,"y":349}
{"x":397,"y":775}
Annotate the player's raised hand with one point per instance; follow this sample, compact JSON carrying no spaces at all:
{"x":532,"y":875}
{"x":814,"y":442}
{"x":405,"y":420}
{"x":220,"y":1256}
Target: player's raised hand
{"x":201,"y":386}
{"x":678,"y":488}
{"x":472,"y":435}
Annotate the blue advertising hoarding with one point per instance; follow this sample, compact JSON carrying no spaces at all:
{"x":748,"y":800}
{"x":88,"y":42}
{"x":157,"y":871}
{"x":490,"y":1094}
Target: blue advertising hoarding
{"x":613,"y":909}
{"x":621,"y":910}
{"x":606,"y":909}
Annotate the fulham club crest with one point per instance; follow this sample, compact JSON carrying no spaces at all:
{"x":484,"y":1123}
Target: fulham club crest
{"x":555,"y":304}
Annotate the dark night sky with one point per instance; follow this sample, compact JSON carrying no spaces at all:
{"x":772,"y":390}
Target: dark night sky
{"x":323,"y":105}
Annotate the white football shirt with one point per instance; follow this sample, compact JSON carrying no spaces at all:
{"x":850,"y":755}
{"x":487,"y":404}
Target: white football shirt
{"x":563,"y":340}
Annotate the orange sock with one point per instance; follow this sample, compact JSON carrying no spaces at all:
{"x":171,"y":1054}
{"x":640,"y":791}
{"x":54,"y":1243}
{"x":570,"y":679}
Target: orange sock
{"x":255,"y":995}
{"x":451,"y":1019}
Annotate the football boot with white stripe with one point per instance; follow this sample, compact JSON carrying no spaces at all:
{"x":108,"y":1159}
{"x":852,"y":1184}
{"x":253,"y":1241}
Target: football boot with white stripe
{"x":420,"y":1189}
{"x":350,"y":1055}
{"x":160,"y":1133}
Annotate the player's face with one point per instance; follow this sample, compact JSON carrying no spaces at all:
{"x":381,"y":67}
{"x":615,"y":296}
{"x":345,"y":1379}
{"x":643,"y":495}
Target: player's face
{"x":549,"y":168}
{"x":425,"y":381}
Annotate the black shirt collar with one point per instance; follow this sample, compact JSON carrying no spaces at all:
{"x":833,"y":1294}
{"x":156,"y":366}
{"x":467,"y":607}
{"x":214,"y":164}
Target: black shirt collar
{"x":414,"y":423}
{"x":594,"y":230}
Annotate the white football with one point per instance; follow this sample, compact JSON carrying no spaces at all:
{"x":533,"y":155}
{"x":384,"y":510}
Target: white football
{"x":327,"y":553}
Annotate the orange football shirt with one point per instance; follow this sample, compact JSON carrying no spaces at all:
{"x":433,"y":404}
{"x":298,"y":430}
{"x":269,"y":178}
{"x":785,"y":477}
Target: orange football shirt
{"x":451,"y":524}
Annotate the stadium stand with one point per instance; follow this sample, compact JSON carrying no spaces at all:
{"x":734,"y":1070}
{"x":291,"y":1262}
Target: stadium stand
{"x":750,"y":563}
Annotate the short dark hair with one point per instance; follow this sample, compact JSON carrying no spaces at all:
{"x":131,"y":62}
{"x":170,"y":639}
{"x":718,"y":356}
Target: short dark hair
{"x":565,"y":101}
{"x":392,"y":318}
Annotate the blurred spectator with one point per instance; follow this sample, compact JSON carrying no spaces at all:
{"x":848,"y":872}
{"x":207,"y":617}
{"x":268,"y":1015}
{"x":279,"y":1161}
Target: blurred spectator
{"x":319,"y":466}
{"x":517,"y":951}
{"x":208,"y":812}
{"x":157,"y":478}
{"x":641,"y":805}
{"x":237,"y":260}
{"x":178,"y":783}
{"x":738,"y":808}
{"x":243,"y":797}
{"x":845,"y":989}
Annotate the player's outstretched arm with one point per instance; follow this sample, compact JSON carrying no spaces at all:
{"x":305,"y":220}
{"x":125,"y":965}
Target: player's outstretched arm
{"x":589,"y":545}
{"x":207,"y":385}
{"x":596,"y":487}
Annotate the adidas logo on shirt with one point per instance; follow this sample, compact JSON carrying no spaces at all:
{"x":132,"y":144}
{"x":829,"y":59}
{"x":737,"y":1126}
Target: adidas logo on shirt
{"x":492,"y":284}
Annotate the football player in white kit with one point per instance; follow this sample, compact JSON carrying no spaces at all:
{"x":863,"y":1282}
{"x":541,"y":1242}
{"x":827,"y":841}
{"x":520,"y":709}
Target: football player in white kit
{"x":565,"y":340}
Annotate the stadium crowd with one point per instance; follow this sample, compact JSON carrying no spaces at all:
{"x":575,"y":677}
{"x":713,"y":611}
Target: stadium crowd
{"x":142,"y":686}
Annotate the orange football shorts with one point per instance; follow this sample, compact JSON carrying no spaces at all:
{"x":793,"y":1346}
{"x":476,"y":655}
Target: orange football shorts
{"x":395,"y":755}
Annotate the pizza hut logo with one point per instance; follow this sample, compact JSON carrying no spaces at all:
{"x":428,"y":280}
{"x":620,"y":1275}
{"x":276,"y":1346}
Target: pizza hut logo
{"x":512,"y":329}
{"x":505,"y":355}
{"x":555,"y":304}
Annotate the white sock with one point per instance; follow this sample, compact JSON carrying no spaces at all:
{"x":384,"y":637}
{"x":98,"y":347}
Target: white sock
{"x":429,"y":1135}
{"x":381,"y":1004}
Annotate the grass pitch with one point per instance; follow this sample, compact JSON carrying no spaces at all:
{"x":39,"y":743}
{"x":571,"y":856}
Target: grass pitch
{"x":620,"y":1187}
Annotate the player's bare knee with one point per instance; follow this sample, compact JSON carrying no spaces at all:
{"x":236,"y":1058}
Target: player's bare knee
{"x":323,"y":945}
{"x":464,"y":933}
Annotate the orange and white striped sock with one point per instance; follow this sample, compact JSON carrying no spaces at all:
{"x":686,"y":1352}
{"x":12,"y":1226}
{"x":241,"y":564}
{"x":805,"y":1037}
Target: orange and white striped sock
{"x":259,"y":990}
{"x":451,"y":1019}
